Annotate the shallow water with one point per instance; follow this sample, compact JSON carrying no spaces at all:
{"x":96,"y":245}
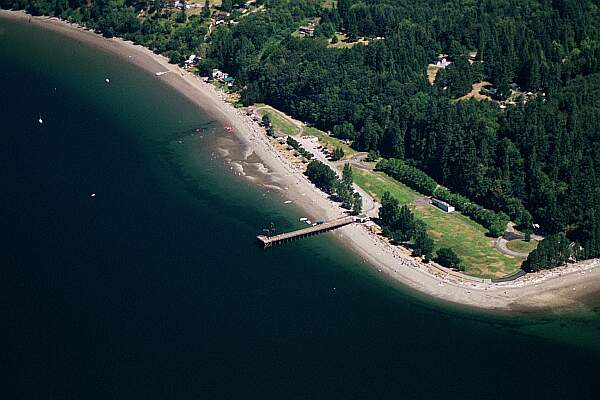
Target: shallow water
{"x":155,"y":287}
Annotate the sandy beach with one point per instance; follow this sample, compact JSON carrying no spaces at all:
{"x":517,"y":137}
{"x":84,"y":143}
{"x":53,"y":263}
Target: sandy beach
{"x":250,"y":153}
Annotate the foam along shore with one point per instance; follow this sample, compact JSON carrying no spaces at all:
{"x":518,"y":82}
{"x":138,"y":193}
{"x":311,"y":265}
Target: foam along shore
{"x":569,"y":286}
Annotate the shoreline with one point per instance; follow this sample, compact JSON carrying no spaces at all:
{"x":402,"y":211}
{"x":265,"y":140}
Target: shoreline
{"x":561,"y":288}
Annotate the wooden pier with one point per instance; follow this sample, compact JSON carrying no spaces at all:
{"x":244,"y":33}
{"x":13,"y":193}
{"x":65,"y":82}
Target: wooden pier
{"x":300,"y":233}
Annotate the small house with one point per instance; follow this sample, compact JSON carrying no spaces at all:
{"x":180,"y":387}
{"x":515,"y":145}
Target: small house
{"x":442,"y":205}
{"x":443,"y":63}
{"x":307,"y":30}
{"x":180,"y":5}
{"x":228,"y":80}
{"x":219,"y":75}
{"x":220,"y":15}
{"x":192,"y":60}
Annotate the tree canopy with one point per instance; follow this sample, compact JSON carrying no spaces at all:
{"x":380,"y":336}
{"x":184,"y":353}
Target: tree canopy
{"x":535,"y":159}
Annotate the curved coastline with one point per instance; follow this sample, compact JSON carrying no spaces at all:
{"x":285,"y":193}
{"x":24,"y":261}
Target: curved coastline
{"x":567,"y":287}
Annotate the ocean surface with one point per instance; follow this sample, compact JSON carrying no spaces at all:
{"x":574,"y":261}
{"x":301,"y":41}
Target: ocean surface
{"x":130,"y":268}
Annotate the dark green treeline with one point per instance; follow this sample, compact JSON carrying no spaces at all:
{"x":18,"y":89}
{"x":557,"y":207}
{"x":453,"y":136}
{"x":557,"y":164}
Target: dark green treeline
{"x":537,"y":161}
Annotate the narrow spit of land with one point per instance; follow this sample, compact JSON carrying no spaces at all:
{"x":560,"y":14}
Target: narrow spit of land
{"x":558,"y":288}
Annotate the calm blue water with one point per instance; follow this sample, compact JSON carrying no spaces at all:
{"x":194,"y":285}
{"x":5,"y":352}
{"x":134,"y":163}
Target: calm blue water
{"x":155,"y":288}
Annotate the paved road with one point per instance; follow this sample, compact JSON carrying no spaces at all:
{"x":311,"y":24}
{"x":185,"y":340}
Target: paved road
{"x":501,"y":241}
{"x":357,"y":161}
{"x":510,"y":228}
{"x":370,"y":206}
{"x":501,"y":247}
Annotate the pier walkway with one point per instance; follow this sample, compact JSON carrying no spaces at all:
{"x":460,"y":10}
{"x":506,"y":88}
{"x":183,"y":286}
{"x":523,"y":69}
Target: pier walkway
{"x":312,"y":230}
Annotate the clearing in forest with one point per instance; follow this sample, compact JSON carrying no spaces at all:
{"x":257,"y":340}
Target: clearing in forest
{"x":432,"y":72}
{"x":475,"y":92}
{"x":329,"y":4}
{"x":466,"y":237}
{"x":343,"y":43}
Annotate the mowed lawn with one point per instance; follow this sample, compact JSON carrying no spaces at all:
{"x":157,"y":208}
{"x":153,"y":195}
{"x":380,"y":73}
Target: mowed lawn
{"x":522,"y":246}
{"x":377,"y":183}
{"x":454,"y":230}
{"x":280,"y":122}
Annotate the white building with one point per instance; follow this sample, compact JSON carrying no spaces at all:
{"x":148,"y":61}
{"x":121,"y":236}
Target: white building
{"x":219,"y":75}
{"x":442,"y":205}
{"x":443,"y":63}
{"x":179,"y":4}
{"x":193,"y":59}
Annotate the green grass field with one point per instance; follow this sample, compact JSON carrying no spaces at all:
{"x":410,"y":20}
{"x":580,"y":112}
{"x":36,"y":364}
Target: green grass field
{"x":521,"y":246}
{"x":279,"y":122}
{"x":454,"y":230}
{"x":377,"y":183}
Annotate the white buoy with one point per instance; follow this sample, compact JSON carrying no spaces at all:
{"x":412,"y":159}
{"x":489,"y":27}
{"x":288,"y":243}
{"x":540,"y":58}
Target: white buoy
{"x":107,"y":80}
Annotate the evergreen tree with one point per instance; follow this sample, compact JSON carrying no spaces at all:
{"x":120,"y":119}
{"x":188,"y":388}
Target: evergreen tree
{"x":182,"y":17}
{"x":446,"y":257}
{"x":347,"y":175}
{"x":344,"y":193}
{"x":356,"y":203}
{"x":227,"y":5}
{"x":405,"y":224}
{"x":206,"y":9}
{"x":423,"y":244}
{"x":338,"y":154}
{"x":553,"y":251}
{"x":389,"y":210}
{"x":321,"y":175}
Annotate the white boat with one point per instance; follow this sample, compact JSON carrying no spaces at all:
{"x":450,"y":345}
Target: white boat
{"x":287,"y":202}
{"x":107,"y":80}
{"x":303,"y":219}
{"x":40,"y":120}
{"x":161,"y":73}
{"x":308,"y":222}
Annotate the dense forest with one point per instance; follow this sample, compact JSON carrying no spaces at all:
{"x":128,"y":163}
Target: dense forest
{"x":536,"y":159}
{"x":167,"y":31}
